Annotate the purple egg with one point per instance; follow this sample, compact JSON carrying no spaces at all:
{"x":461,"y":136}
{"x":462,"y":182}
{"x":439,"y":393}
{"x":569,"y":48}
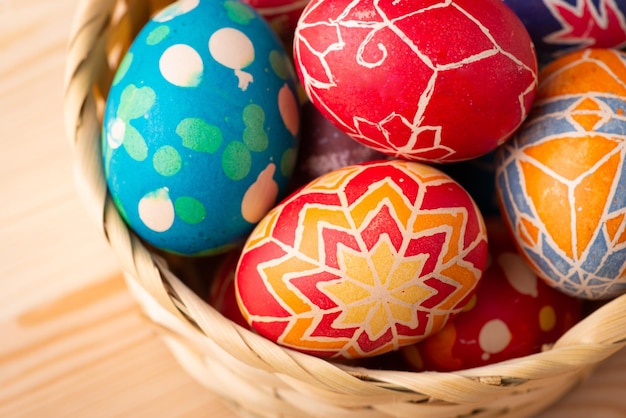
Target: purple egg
{"x":559,"y":26}
{"x":324,"y":148}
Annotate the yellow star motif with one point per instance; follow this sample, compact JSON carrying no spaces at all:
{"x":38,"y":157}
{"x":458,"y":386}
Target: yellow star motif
{"x":378,"y":289}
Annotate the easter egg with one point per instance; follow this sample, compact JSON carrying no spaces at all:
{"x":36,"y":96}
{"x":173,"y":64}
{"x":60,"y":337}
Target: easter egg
{"x":422,"y":81}
{"x":362,"y":260}
{"x":561,"y":180}
{"x":222,"y":289}
{"x":324,"y":148}
{"x":201,"y":127}
{"x":512,"y":314}
{"x":477,"y":177}
{"x":561,"y":26}
{"x":282,"y":15}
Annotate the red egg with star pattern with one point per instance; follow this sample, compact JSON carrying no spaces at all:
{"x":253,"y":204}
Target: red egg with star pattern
{"x":419,"y":80}
{"x":513,"y":314}
{"x":363,"y":260}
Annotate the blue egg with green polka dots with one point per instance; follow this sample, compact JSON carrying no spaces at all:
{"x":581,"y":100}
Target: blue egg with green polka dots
{"x":201,"y":127}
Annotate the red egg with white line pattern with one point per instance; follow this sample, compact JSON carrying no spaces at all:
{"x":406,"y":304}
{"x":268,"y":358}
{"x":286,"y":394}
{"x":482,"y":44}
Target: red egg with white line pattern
{"x":419,"y":80}
{"x":513,"y":314}
{"x":363,"y":260}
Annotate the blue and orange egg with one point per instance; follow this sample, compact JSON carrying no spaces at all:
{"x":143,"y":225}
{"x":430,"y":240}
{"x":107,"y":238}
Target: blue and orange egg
{"x":561,"y":180}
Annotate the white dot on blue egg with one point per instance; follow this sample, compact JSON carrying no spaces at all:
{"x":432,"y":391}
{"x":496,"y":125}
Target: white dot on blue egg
{"x":156,"y":210}
{"x":115,"y":133}
{"x":233,"y":49}
{"x":181,"y":65}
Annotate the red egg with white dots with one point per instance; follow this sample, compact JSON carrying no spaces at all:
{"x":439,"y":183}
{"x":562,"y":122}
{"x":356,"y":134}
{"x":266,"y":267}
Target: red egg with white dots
{"x":513,"y":314}
{"x":419,"y":80}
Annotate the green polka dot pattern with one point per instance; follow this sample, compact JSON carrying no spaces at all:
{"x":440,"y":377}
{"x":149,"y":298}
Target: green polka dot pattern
{"x":167,"y":161}
{"x":199,"y":135}
{"x":158,"y":34}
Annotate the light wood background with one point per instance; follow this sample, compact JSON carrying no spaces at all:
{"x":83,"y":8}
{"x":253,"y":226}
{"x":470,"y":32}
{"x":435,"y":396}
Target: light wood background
{"x":73,"y":342}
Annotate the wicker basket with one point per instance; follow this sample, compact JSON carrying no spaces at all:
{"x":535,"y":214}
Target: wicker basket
{"x":256,"y":376}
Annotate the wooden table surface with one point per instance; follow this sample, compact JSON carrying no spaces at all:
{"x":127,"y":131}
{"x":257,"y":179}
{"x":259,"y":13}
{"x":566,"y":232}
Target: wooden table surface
{"x":73,"y":342}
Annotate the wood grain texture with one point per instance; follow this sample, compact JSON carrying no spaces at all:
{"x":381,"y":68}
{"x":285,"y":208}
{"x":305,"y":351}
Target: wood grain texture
{"x":91,"y":353}
{"x":45,"y":230}
{"x":73,"y":342}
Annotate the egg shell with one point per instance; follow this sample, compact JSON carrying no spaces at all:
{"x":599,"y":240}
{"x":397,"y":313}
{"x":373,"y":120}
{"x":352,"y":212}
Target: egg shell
{"x":222,"y":290}
{"x":201,"y":127}
{"x":363,"y":260}
{"x":477,"y":176}
{"x":513,"y":314}
{"x":282,"y":15}
{"x":324,"y":148}
{"x":415,"y":79}
{"x":561,"y":180}
{"x":562,"y":26}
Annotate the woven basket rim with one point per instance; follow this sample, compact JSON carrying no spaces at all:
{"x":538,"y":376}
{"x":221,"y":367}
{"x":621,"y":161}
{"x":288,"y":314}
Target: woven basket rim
{"x":592,"y":340}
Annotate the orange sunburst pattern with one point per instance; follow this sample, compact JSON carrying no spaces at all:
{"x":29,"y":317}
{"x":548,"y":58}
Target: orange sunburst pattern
{"x":561,"y":179}
{"x":363,"y":261}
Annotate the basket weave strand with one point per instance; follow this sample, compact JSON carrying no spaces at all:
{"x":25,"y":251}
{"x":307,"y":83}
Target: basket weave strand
{"x":256,"y":376}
